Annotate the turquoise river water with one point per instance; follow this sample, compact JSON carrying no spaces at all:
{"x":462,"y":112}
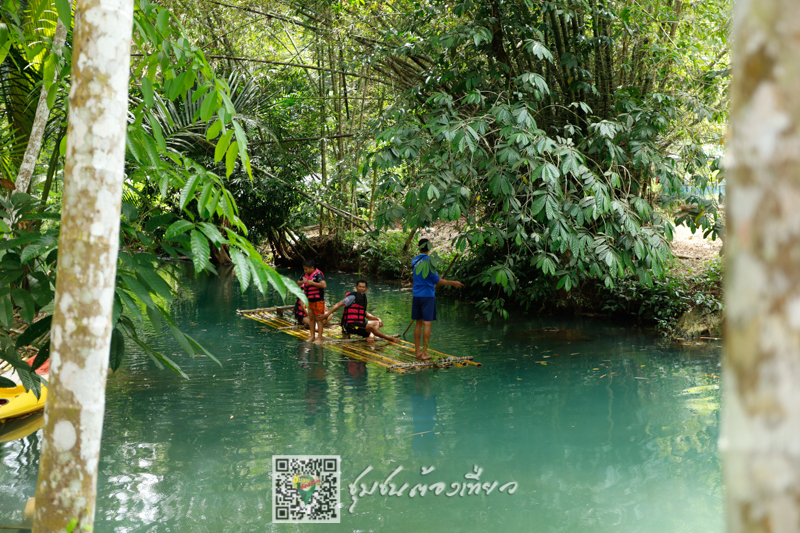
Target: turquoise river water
{"x":601,"y":428}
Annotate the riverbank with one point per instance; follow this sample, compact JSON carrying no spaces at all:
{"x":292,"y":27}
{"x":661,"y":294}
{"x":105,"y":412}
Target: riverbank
{"x":686,"y":303}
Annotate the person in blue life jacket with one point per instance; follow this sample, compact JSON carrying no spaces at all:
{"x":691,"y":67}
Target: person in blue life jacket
{"x":356,"y":320}
{"x":423,"y":302}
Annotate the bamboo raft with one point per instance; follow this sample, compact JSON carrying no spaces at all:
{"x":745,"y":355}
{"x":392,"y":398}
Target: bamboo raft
{"x":394,"y":357}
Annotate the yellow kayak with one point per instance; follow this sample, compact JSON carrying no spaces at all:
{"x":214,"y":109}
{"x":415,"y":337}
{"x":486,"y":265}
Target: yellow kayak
{"x":16,"y":402}
{"x":19,"y":428}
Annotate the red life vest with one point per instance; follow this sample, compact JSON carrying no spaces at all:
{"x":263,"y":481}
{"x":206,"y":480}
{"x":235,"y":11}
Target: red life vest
{"x":357,"y":311}
{"x":299,"y":314}
{"x":314,"y":294}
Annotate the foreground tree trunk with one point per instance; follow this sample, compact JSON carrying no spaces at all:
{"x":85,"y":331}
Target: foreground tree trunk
{"x":39,"y":121}
{"x":87,"y":261}
{"x":761,"y":408}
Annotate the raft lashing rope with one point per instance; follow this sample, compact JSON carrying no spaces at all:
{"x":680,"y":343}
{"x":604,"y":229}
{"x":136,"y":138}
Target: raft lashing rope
{"x":393,"y":356}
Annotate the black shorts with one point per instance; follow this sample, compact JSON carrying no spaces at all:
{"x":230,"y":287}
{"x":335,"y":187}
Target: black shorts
{"x":423,"y":308}
{"x":356,"y":328}
{"x":299,"y":318}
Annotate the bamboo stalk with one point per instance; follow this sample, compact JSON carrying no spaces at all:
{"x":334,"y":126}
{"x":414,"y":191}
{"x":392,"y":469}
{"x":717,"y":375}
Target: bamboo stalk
{"x":264,"y":309}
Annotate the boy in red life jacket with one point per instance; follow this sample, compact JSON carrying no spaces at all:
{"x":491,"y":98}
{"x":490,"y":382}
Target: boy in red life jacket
{"x":355,"y":319}
{"x":313,"y":285}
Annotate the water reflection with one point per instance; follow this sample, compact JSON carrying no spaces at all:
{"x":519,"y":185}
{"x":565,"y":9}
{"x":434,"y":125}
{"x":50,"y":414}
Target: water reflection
{"x":313,"y":359}
{"x":423,"y":409}
{"x":616,"y":434}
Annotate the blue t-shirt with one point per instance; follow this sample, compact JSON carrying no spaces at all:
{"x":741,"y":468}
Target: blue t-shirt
{"x":425,"y":287}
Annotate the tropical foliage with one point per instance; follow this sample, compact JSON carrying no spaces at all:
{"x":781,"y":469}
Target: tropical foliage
{"x":557,"y":135}
{"x":547,"y":127}
{"x":173,"y":203}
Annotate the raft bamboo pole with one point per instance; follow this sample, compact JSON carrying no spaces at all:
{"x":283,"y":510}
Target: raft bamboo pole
{"x":394,"y":356}
{"x":369,"y":357}
{"x":369,"y":354}
{"x":440,"y":354}
{"x":265,"y":309}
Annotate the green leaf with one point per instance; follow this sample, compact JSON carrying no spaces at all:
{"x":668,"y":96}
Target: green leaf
{"x":23,"y":299}
{"x":204,"y":196}
{"x":155,"y":318}
{"x":154,"y":282}
{"x":212,"y":233}
{"x":423,"y":267}
{"x":213,"y":131}
{"x":201,"y":348}
{"x":5,"y":42}
{"x":230,"y":159}
{"x":39,"y":285}
{"x":158,"y":221}
{"x":6,"y":311}
{"x":64,"y":12}
{"x":33,"y":332}
{"x":277,"y":281}
{"x":222,"y":145}
{"x":6,"y":383}
{"x":200,"y":250}
{"x":162,"y":21}
{"x":227,"y":102}
{"x":40,"y":247}
{"x":241,"y":268}
{"x":116,"y":311}
{"x":158,"y":134}
{"x":29,"y":379}
{"x":241,"y":142}
{"x":177,"y":227}
{"x":206,"y":108}
{"x":130,"y":304}
{"x":181,"y":338}
{"x":138,"y":290}
{"x":188,"y":190}
{"x":52,"y":93}
{"x":147,"y":92}
{"x":211,"y":208}
{"x":228,"y":207}
{"x":117,"y":349}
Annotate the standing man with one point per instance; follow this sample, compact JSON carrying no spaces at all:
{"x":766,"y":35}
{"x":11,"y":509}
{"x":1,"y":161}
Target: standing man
{"x":313,"y":285}
{"x":356,"y":320}
{"x":423,"y":304}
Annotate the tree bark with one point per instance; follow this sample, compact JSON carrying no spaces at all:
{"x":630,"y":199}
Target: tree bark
{"x":87,"y":263}
{"x":761,"y":405}
{"x":39,"y":121}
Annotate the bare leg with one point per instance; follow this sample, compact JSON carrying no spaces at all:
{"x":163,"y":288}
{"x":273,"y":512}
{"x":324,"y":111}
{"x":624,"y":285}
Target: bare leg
{"x":426,"y":339}
{"x":372,"y":327}
{"x":321,"y":326}
{"x":417,"y":335}
{"x":312,"y":317}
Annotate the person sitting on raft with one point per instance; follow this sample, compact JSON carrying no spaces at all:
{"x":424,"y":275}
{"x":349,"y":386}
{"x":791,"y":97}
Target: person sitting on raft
{"x":301,"y":315}
{"x":356,"y":320}
{"x":313,"y":285}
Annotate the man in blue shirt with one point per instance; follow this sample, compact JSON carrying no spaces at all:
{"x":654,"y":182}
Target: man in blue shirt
{"x":423,"y":304}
